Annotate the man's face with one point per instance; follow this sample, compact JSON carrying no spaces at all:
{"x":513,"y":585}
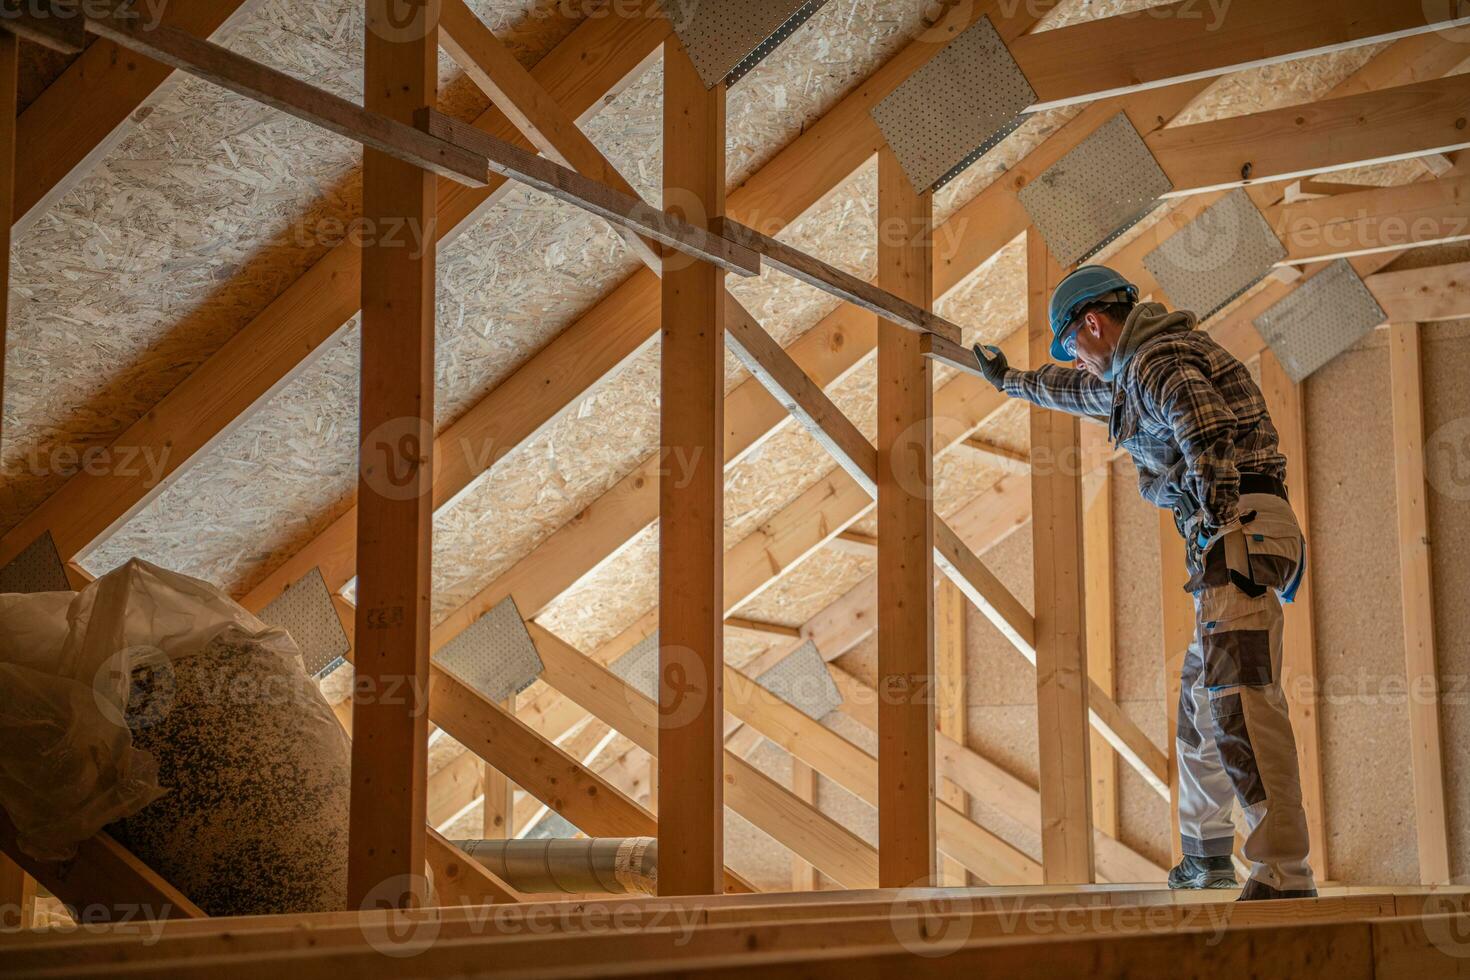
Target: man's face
{"x":1096,"y":338}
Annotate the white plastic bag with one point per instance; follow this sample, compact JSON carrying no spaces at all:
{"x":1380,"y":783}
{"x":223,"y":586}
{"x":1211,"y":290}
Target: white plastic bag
{"x":68,"y":766}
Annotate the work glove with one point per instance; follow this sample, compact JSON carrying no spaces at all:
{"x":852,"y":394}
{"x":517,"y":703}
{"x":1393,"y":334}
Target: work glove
{"x":993,"y":365}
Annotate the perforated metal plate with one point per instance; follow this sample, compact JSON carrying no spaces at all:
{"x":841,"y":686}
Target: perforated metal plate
{"x":305,"y":611}
{"x":639,"y":667}
{"x":38,"y":568}
{"x":959,"y":105}
{"x":1104,"y":186}
{"x":803,"y":681}
{"x":1323,"y":317}
{"x":726,"y":40}
{"x":1216,"y":257}
{"x":495,"y":655}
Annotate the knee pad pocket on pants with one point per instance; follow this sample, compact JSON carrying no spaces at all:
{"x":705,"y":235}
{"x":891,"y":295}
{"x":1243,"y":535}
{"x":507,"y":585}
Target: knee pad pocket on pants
{"x":1236,"y":656}
{"x":1236,"y":752}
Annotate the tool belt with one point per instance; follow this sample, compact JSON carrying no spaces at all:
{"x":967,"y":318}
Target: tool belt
{"x":1226,"y":556}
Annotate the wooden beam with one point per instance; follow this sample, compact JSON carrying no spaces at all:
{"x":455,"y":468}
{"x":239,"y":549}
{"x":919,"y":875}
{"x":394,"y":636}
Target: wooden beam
{"x":1097,"y":558}
{"x":627,"y":211}
{"x":1178,"y":631}
{"x":59,"y":29}
{"x":804,"y":876}
{"x":57,"y":144}
{"x":1061,"y":621}
{"x":9,"y":80}
{"x":104,"y":879}
{"x":1332,"y":134}
{"x":950,"y":652}
{"x":17,"y":896}
{"x":843,"y":285}
{"x":1372,"y":220}
{"x":762,"y":628}
{"x":460,"y":880}
{"x":906,"y":815}
{"x":1187,"y":40}
{"x":395,"y":516}
{"x":1416,"y":576}
{"x":526,"y":103}
{"x":1284,"y":400}
{"x":765,"y":803}
{"x":691,"y":610}
{"x":1423,"y":295}
{"x":498,"y":819}
{"x":393,"y":136}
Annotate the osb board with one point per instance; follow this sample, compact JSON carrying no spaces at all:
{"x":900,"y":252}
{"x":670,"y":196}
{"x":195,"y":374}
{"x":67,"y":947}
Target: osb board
{"x":1446,"y":361}
{"x":1368,"y":785}
{"x":188,"y":228}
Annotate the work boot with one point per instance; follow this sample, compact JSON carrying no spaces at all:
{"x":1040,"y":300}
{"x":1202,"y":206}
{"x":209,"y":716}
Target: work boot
{"x":1259,"y":891}
{"x":1203,"y":872}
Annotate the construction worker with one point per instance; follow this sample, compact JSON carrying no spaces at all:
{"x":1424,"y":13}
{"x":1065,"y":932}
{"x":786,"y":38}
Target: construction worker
{"x":1197,"y":428}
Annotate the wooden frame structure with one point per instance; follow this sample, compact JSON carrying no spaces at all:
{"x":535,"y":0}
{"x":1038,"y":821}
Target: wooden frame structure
{"x":425,"y":168}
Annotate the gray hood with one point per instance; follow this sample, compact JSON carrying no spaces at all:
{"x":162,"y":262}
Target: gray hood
{"x":1147,"y":321}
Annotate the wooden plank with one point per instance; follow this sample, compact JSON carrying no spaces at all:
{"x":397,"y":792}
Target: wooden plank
{"x":1423,"y":295}
{"x":1061,"y":642}
{"x":950,"y":642}
{"x":526,"y":103}
{"x":1097,"y":557}
{"x":1417,"y":580}
{"x":57,"y":144}
{"x":845,"y":286}
{"x":104,"y":879}
{"x":1177,"y":633}
{"x":498,"y":819}
{"x":46,"y":25}
{"x":1187,"y":40}
{"x":389,"y":805}
{"x":17,"y":894}
{"x":623,"y":210}
{"x":393,"y":136}
{"x":461,"y":880}
{"x":1374,"y":220}
{"x":834,"y":849}
{"x":9,"y":81}
{"x":1332,"y":134}
{"x":1284,"y":400}
{"x":691,"y":609}
{"x":804,"y":876}
{"x":906,"y":812}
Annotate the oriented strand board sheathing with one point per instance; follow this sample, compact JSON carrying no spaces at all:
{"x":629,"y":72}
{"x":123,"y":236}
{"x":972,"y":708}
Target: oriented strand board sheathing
{"x":1367,"y":783}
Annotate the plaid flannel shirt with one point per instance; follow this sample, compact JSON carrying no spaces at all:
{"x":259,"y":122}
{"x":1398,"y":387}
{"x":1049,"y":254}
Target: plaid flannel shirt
{"x":1184,"y":408}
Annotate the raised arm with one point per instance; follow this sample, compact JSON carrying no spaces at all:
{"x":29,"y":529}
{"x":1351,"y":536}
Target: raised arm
{"x":1067,"y":390}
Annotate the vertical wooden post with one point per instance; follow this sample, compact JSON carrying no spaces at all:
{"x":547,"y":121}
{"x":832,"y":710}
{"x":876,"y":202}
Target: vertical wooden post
{"x":950,"y":641}
{"x":395,"y":513}
{"x":17,"y":889}
{"x":804,"y":788}
{"x":691,"y":498}
{"x":1097,"y":557}
{"x":9,"y":79}
{"x":906,"y":814}
{"x":1061,"y":640}
{"x":1417,"y":581}
{"x":1178,"y":633}
{"x":1299,"y":639}
{"x":498,"y":821}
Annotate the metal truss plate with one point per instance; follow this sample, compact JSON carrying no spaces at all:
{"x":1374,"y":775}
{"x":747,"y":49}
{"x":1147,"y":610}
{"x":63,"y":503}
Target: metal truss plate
{"x":803,"y":681}
{"x":1323,"y":317}
{"x":957,"y":107}
{"x":1101,"y":188}
{"x":1216,"y":257}
{"x":639,"y":667}
{"x":38,"y":568}
{"x":305,"y":611}
{"x":495,"y":656}
{"x":727,"y":40}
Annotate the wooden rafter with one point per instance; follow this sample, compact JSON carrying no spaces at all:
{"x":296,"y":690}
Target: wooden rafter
{"x":1372,"y":220}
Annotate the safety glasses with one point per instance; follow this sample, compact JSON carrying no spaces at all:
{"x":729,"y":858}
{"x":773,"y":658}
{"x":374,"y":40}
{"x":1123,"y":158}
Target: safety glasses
{"x":1069,"y":340}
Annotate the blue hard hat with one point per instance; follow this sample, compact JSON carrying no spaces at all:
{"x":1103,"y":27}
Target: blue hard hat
{"x":1085,"y":285}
